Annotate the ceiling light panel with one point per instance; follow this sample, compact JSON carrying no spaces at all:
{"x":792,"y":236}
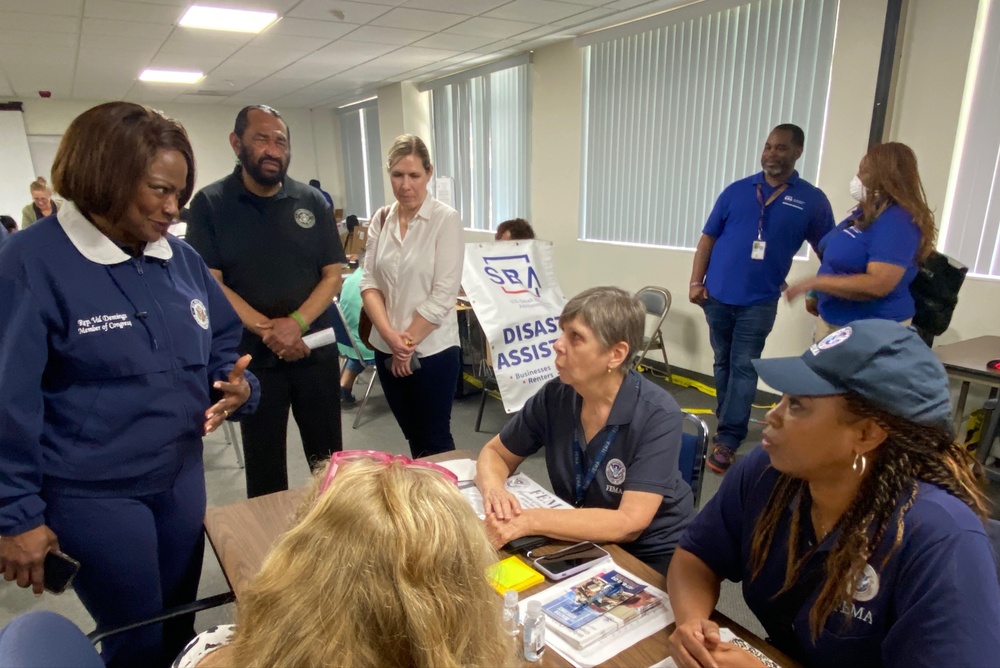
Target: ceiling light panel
{"x":231,"y":20}
{"x":170,"y":76}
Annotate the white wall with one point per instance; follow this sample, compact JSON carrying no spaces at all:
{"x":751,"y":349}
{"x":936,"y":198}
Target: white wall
{"x":315,"y":137}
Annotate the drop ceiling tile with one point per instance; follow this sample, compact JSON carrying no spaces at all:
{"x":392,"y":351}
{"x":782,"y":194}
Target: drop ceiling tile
{"x":194,"y":98}
{"x":541,"y":31}
{"x":468,"y":7}
{"x":382,"y":35}
{"x":497,"y":46}
{"x":132,"y":11}
{"x":539,"y":11}
{"x":100,"y":89}
{"x":585,"y":16}
{"x":104,"y":43}
{"x":349,"y":52}
{"x":589,"y":3}
{"x":629,"y":4}
{"x":311,"y":70}
{"x":418,"y":19}
{"x":185,"y":61}
{"x":281,"y":42}
{"x":481,"y":26}
{"x":131,"y":29}
{"x":311,"y":28}
{"x":47,"y":7}
{"x":415,"y":56}
{"x":28,"y":37}
{"x":348,"y":12}
{"x":443,"y":40}
{"x":16,"y":22}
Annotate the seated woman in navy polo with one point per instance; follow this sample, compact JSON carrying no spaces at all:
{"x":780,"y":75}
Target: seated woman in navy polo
{"x":856,"y":527}
{"x":612,"y":441}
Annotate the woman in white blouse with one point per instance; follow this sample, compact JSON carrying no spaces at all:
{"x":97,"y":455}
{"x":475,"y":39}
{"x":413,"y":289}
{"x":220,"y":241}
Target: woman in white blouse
{"x":413,"y":270}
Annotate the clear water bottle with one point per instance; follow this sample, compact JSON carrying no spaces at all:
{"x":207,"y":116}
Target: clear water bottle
{"x":534,"y":632}
{"x":511,"y":614}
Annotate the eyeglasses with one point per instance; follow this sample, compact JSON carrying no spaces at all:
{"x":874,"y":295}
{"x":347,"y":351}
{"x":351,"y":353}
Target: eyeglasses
{"x":381,"y":457}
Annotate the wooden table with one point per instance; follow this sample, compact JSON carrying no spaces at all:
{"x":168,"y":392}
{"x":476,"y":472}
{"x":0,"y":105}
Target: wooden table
{"x":242,"y":534}
{"x":966,"y":361}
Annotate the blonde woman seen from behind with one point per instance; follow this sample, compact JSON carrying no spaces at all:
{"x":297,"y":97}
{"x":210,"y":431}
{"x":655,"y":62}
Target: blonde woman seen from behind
{"x":413,"y":592}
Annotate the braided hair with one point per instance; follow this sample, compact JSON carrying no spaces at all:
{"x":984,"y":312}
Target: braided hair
{"x":911,"y":453}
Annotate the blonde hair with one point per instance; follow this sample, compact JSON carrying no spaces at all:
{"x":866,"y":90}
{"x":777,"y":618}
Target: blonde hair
{"x":405,"y":145}
{"x":386,"y":568}
{"x":40,"y":185}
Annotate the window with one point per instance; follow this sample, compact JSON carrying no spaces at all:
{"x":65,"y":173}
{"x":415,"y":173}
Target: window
{"x":480,"y":141}
{"x":362,"y":148}
{"x":674,"y":114}
{"x":970,"y":230}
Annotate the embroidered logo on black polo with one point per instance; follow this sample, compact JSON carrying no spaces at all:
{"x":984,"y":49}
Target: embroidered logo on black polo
{"x":615,"y":471}
{"x":200,"y":313}
{"x":305,"y":218}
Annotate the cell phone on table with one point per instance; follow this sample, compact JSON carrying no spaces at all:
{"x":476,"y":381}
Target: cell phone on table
{"x":571,"y":560}
{"x":60,"y":569}
{"x":414,"y":364}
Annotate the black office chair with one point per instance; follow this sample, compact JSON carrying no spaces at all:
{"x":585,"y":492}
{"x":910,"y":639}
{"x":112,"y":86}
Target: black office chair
{"x":656,"y":301}
{"x":694,"y":448}
{"x":346,"y":337}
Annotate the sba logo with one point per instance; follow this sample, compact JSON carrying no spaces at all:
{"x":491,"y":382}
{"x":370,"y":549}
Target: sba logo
{"x":513,"y":273}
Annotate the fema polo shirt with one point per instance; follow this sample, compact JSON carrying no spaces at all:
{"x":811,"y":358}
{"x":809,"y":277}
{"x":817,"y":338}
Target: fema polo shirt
{"x":643,"y":457}
{"x":801,"y":213}
{"x":936,"y":602}
{"x":271,"y":250}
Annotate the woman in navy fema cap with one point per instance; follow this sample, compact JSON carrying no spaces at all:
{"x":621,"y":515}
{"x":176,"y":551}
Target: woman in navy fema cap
{"x":856,"y":527}
{"x":117,"y":354}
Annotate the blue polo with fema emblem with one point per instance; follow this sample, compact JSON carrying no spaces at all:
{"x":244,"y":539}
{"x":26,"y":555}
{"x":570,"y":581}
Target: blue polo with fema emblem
{"x":801,"y":213}
{"x":642,"y":457}
{"x":936,"y":602}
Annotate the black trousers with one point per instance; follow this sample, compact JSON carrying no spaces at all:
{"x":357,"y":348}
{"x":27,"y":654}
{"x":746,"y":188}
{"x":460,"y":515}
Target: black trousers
{"x":421,"y":403}
{"x":312,"y":391}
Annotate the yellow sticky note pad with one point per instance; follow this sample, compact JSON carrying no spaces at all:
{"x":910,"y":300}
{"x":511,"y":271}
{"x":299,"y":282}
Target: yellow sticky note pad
{"x":512,"y":573}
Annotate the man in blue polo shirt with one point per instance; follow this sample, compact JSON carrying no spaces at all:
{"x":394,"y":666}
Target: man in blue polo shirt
{"x":744,"y":254}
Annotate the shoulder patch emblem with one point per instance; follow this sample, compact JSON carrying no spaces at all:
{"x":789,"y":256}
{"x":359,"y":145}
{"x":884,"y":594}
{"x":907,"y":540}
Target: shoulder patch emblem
{"x":305,"y":218}
{"x":200,"y":313}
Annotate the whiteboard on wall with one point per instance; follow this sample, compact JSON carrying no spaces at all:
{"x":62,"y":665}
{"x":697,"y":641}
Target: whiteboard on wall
{"x":16,"y":169}
{"x":43,"y":152}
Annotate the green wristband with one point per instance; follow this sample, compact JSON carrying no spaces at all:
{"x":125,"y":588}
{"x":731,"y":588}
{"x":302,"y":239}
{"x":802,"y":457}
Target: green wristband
{"x":297,"y":317}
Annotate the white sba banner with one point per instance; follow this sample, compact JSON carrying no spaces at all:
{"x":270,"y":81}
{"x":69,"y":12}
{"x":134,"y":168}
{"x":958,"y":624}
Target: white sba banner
{"x":513,"y":289}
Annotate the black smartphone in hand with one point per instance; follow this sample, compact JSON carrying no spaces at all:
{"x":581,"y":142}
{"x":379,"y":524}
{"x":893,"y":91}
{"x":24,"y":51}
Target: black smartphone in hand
{"x":414,"y":364}
{"x":60,"y":569}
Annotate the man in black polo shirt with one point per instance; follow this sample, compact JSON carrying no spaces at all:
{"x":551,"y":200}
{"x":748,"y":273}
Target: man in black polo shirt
{"x":271,"y":243}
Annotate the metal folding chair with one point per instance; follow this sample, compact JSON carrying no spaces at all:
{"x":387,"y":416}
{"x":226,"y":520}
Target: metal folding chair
{"x":345,"y":336}
{"x":656,"y":301}
{"x":232,"y":438}
{"x":694,"y":449}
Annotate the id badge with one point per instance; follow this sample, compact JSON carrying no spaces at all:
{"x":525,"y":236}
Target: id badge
{"x":758,"y":250}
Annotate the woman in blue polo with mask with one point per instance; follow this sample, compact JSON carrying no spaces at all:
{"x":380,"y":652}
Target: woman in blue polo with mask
{"x":870,"y":259}
{"x":856,"y":527}
{"x":117,"y":354}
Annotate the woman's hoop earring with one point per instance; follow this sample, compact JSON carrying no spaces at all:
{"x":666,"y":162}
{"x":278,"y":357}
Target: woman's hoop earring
{"x":864,"y":463}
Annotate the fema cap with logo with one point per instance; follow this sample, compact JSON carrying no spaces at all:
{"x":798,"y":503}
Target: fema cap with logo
{"x":881,"y":360}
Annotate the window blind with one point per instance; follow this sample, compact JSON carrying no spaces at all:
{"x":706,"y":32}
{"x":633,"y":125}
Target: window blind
{"x":362,"y":150}
{"x":480,"y":140}
{"x":970,"y":229}
{"x":674,"y":114}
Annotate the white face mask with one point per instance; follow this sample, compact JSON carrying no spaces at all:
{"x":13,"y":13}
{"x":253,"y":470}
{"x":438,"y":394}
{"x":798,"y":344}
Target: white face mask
{"x":857,"y":189}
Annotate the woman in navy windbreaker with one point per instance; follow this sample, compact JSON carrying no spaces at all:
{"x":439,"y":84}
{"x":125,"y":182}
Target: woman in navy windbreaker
{"x":117,"y":354}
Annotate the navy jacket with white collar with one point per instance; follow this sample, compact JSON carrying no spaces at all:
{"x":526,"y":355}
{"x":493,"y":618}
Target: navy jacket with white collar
{"x":106,"y":364}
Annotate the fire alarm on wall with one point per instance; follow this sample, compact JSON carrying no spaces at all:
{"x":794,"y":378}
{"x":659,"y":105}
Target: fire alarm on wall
{"x":45,"y":93}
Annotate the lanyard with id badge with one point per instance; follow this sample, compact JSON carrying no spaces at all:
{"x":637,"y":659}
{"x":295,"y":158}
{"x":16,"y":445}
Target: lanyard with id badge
{"x":759,"y":246}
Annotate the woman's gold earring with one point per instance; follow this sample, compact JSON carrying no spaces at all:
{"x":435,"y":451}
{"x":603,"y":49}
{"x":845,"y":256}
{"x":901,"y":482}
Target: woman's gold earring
{"x":864,"y":463}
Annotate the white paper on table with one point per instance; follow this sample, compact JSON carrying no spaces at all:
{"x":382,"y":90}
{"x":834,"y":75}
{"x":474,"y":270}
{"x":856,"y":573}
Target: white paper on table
{"x":528,"y":492}
{"x":464,"y":469}
{"x":323,"y":337}
{"x":614,"y":643}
